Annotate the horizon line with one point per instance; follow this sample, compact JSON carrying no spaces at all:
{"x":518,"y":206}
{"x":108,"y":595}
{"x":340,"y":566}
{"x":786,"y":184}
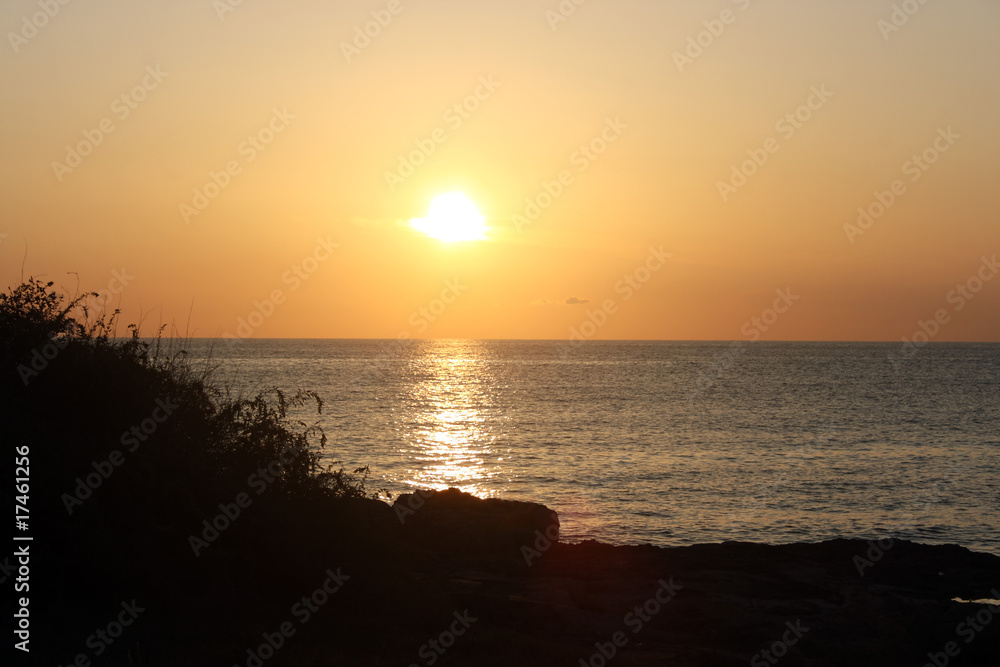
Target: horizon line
{"x":568,"y":340}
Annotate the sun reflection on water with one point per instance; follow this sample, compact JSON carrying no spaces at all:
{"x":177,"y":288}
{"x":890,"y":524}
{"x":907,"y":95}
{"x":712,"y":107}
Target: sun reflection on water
{"x":451,"y":432}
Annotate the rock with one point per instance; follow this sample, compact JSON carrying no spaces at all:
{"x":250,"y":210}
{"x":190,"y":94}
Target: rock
{"x":456,"y":522}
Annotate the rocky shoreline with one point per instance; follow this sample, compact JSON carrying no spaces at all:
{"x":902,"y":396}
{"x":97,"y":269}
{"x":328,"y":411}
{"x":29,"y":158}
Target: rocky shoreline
{"x":445,"y":578}
{"x":537,"y":601}
{"x":220,"y":537}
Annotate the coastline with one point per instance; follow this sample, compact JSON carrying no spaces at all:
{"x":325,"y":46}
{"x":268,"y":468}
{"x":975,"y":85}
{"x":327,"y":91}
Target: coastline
{"x":827,"y":603}
{"x":166,"y":523}
{"x":773,"y":453}
{"x":467,"y":581}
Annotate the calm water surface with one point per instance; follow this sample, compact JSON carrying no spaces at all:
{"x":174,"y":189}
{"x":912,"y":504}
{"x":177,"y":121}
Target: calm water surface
{"x":665,"y":442}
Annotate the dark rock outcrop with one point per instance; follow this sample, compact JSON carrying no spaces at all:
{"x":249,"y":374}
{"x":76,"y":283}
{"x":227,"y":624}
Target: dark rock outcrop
{"x":453,"y":522}
{"x":832,"y":603}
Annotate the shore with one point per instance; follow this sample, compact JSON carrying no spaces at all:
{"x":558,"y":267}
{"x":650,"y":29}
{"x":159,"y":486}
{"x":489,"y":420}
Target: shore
{"x":164,"y":523}
{"x":833,"y":603}
{"x":464,"y":581}
{"x":445,"y":578}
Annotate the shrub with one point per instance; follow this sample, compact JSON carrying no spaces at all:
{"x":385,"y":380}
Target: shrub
{"x":213,"y":436}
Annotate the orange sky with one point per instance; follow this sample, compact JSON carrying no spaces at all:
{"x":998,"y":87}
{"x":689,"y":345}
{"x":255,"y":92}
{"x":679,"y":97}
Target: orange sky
{"x":736,"y":136}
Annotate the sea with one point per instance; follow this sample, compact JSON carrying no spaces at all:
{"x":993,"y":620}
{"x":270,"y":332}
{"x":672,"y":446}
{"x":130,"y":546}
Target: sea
{"x":666,"y":443}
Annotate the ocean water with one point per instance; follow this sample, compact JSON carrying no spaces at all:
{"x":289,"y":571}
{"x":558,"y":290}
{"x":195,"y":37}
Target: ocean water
{"x":669,"y":443}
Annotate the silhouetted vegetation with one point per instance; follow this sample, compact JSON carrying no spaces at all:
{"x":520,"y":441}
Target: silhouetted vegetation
{"x":211,"y":433}
{"x":131,"y":451}
{"x":152,"y":489}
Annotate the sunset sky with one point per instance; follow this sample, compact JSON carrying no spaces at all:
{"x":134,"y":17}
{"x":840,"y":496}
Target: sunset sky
{"x":119,"y":119}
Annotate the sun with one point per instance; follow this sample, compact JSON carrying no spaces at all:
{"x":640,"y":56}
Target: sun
{"x":452,"y":217}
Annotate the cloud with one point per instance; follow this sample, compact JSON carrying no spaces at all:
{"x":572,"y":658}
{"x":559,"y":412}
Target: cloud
{"x":572,"y":301}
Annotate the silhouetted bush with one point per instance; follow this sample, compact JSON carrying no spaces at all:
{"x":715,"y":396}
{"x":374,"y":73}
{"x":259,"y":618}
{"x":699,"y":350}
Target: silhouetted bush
{"x":212,"y":434}
{"x":81,"y":399}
